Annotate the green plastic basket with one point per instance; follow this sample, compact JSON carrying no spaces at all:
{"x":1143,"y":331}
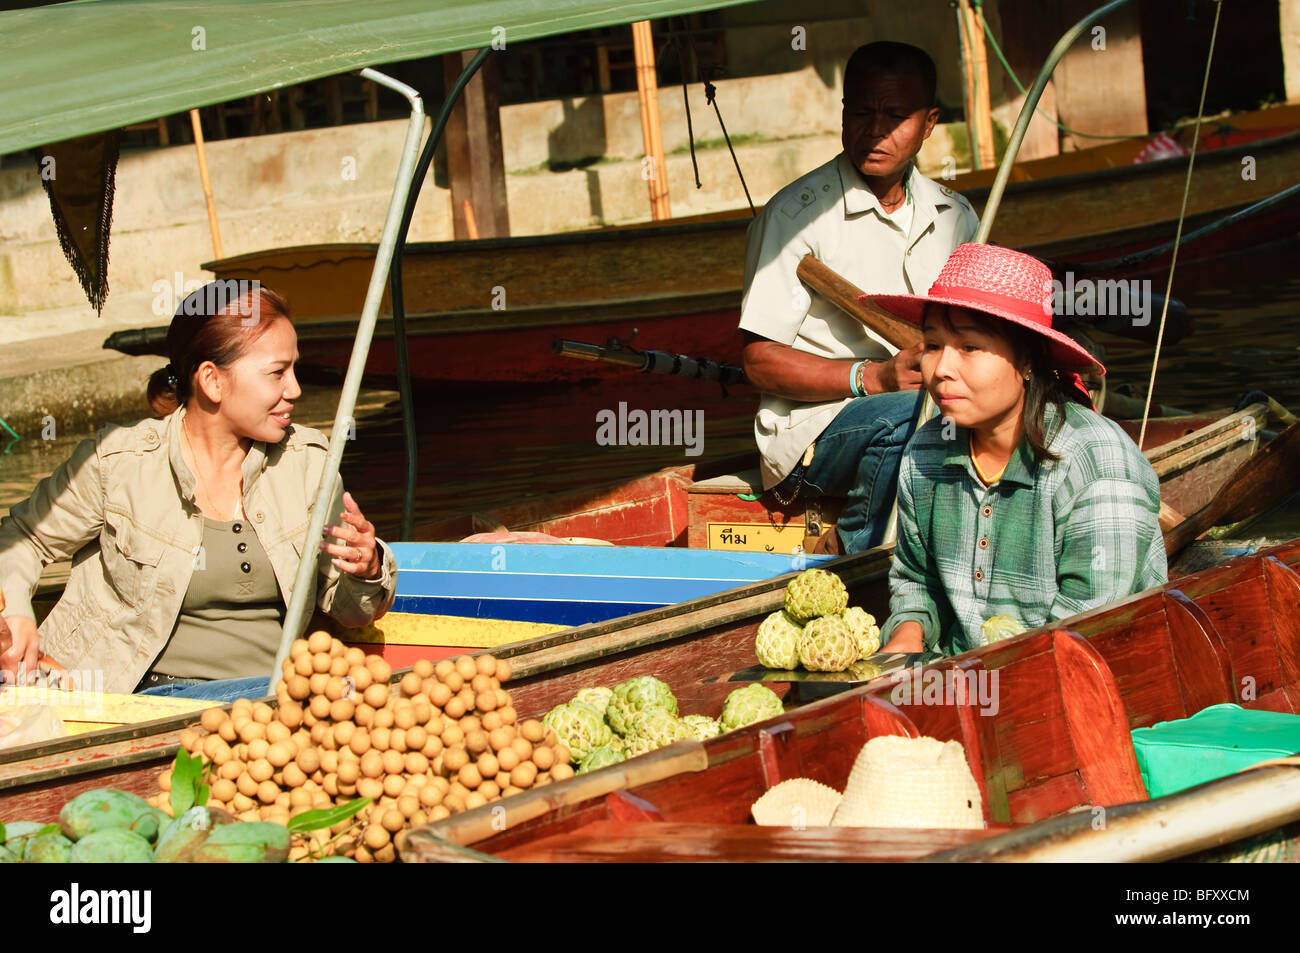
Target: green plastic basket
{"x":1213,"y":743}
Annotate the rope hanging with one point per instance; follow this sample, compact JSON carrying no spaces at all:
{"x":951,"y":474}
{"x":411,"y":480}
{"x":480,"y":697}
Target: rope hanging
{"x":1182,"y":214}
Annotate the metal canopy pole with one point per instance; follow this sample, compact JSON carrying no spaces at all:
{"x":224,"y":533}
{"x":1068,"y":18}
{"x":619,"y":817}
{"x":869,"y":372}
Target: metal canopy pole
{"x":1027,"y":113}
{"x":395,"y":285}
{"x":1004,"y":173}
{"x":297,"y":612}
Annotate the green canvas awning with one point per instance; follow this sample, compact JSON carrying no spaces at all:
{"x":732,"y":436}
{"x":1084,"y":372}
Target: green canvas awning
{"x":71,"y":69}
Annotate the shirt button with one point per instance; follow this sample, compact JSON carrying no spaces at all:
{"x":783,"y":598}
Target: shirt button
{"x":150,"y":437}
{"x":987,"y":511}
{"x":242,"y":547}
{"x":245,"y":567}
{"x":984,"y":542}
{"x":979,"y":575}
{"x":237,"y":528}
{"x":258,"y":517}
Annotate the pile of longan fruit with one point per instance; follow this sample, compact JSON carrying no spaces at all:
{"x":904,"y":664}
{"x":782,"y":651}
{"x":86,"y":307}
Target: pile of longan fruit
{"x":444,"y":738}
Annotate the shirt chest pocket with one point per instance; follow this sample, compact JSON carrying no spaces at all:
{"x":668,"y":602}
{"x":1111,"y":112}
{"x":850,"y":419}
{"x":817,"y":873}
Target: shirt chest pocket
{"x":131,"y":559}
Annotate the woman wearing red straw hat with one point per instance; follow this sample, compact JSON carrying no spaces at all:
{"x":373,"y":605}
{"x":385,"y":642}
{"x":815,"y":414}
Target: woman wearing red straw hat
{"x":1018,"y":499}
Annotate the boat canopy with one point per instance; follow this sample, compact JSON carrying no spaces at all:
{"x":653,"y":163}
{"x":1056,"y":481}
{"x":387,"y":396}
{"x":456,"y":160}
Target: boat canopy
{"x":73,"y":69}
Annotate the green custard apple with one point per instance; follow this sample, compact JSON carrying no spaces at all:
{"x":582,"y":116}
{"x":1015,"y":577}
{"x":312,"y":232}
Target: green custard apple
{"x":813,"y":593}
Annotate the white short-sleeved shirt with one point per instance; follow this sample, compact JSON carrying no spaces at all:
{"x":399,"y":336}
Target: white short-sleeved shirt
{"x":832,"y":214}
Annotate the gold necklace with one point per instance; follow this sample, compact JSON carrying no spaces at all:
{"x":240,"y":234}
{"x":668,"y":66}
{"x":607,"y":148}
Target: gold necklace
{"x":198,"y":477}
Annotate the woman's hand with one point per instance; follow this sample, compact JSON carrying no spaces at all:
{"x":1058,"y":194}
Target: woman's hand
{"x":907,"y":637}
{"x":358,"y":553}
{"x":20,"y":648}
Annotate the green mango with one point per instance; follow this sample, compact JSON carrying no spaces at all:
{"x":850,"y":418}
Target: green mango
{"x":248,"y":842}
{"x":6,"y":857}
{"x":112,"y":845}
{"x":105,"y":808}
{"x":18,"y":833}
{"x":48,"y":849}
{"x":183,"y":836}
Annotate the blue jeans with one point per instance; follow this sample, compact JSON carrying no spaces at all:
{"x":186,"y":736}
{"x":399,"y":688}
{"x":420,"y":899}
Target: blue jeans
{"x":219,"y":689}
{"x":858,"y":457}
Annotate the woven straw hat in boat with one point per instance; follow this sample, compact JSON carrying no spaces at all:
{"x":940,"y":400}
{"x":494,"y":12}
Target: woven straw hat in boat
{"x":1001,"y":282}
{"x":797,"y":803}
{"x":910,"y":782}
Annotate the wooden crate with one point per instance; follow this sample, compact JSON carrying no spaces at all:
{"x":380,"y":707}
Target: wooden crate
{"x":732,"y":512}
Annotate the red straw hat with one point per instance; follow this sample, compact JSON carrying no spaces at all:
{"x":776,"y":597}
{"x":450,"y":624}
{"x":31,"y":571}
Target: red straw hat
{"x":998,"y":281}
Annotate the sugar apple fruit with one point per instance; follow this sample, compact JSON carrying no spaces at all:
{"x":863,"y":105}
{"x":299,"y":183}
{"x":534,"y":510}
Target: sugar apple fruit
{"x":777,"y":644}
{"x":654,"y":728}
{"x":813,"y":593}
{"x":747,"y":705}
{"x":999,"y":627}
{"x":579,"y":727}
{"x":827,"y":645}
{"x":601,"y":757}
{"x":863,"y":626}
{"x":702,"y":727}
{"x":636,"y":695}
{"x":596,"y":696}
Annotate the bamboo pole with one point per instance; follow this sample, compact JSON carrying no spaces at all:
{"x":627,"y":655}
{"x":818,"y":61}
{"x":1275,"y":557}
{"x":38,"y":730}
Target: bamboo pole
{"x":980,"y":70}
{"x":647,"y":90}
{"x":471,"y":224}
{"x":213,"y":227}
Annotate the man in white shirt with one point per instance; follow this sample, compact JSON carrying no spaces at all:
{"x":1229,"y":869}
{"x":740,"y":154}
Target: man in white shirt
{"x":872,"y":217}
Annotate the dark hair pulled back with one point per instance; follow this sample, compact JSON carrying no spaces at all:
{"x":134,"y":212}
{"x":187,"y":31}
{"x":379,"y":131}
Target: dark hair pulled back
{"x":219,"y":323}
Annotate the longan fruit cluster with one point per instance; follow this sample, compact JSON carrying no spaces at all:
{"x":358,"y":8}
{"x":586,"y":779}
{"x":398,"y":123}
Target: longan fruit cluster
{"x":444,"y":738}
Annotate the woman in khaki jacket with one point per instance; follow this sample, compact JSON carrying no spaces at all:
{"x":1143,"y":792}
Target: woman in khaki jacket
{"x":186,"y":532}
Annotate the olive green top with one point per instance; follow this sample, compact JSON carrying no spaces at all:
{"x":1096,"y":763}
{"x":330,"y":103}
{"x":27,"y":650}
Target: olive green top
{"x":231,"y":615}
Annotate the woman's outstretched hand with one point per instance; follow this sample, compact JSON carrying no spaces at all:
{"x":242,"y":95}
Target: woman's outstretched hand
{"x":356,"y":553}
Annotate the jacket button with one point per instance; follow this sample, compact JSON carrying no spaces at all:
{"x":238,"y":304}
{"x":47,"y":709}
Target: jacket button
{"x":237,"y":528}
{"x":242,"y":547}
{"x":979,"y":575}
{"x":245,"y":567}
{"x":984,"y":542}
{"x":987,"y":511}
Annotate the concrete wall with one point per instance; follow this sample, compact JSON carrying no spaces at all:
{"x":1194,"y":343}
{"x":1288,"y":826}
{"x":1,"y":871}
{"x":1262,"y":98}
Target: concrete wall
{"x":333,"y":185}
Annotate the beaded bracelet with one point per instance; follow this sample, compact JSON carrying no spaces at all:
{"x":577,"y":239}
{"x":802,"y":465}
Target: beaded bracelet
{"x":855,"y":379}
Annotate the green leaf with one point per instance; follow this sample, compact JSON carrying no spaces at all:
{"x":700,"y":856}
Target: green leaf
{"x":187,"y":782}
{"x":325,"y":817}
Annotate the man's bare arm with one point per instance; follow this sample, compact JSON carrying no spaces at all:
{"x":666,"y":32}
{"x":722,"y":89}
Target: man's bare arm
{"x":796,"y":375}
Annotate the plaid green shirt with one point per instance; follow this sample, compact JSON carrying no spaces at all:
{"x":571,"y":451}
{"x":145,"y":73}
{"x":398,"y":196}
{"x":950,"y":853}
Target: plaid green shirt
{"x":1046,"y":541}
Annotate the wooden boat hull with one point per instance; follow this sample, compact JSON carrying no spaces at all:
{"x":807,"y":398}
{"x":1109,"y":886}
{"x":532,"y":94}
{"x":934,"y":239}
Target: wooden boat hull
{"x":1052,"y":739}
{"x":488,"y":310}
{"x":548,"y":669}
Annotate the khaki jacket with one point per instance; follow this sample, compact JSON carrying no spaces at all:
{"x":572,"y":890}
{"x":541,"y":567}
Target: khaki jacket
{"x":122,"y":506}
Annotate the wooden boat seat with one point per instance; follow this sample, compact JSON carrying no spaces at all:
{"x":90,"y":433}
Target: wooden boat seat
{"x":1041,"y":720}
{"x":1255,"y":606}
{"x":1167,"y":657}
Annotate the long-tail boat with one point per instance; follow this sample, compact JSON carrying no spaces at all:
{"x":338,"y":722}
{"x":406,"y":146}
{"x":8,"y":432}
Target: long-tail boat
{"x":1095,"y":203}
{"x":1052,"y":739}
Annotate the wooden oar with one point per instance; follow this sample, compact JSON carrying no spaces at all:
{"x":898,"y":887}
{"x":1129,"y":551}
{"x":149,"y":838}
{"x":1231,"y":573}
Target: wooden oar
{"x":844,"y":295}
{"x":1264,"y":480}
